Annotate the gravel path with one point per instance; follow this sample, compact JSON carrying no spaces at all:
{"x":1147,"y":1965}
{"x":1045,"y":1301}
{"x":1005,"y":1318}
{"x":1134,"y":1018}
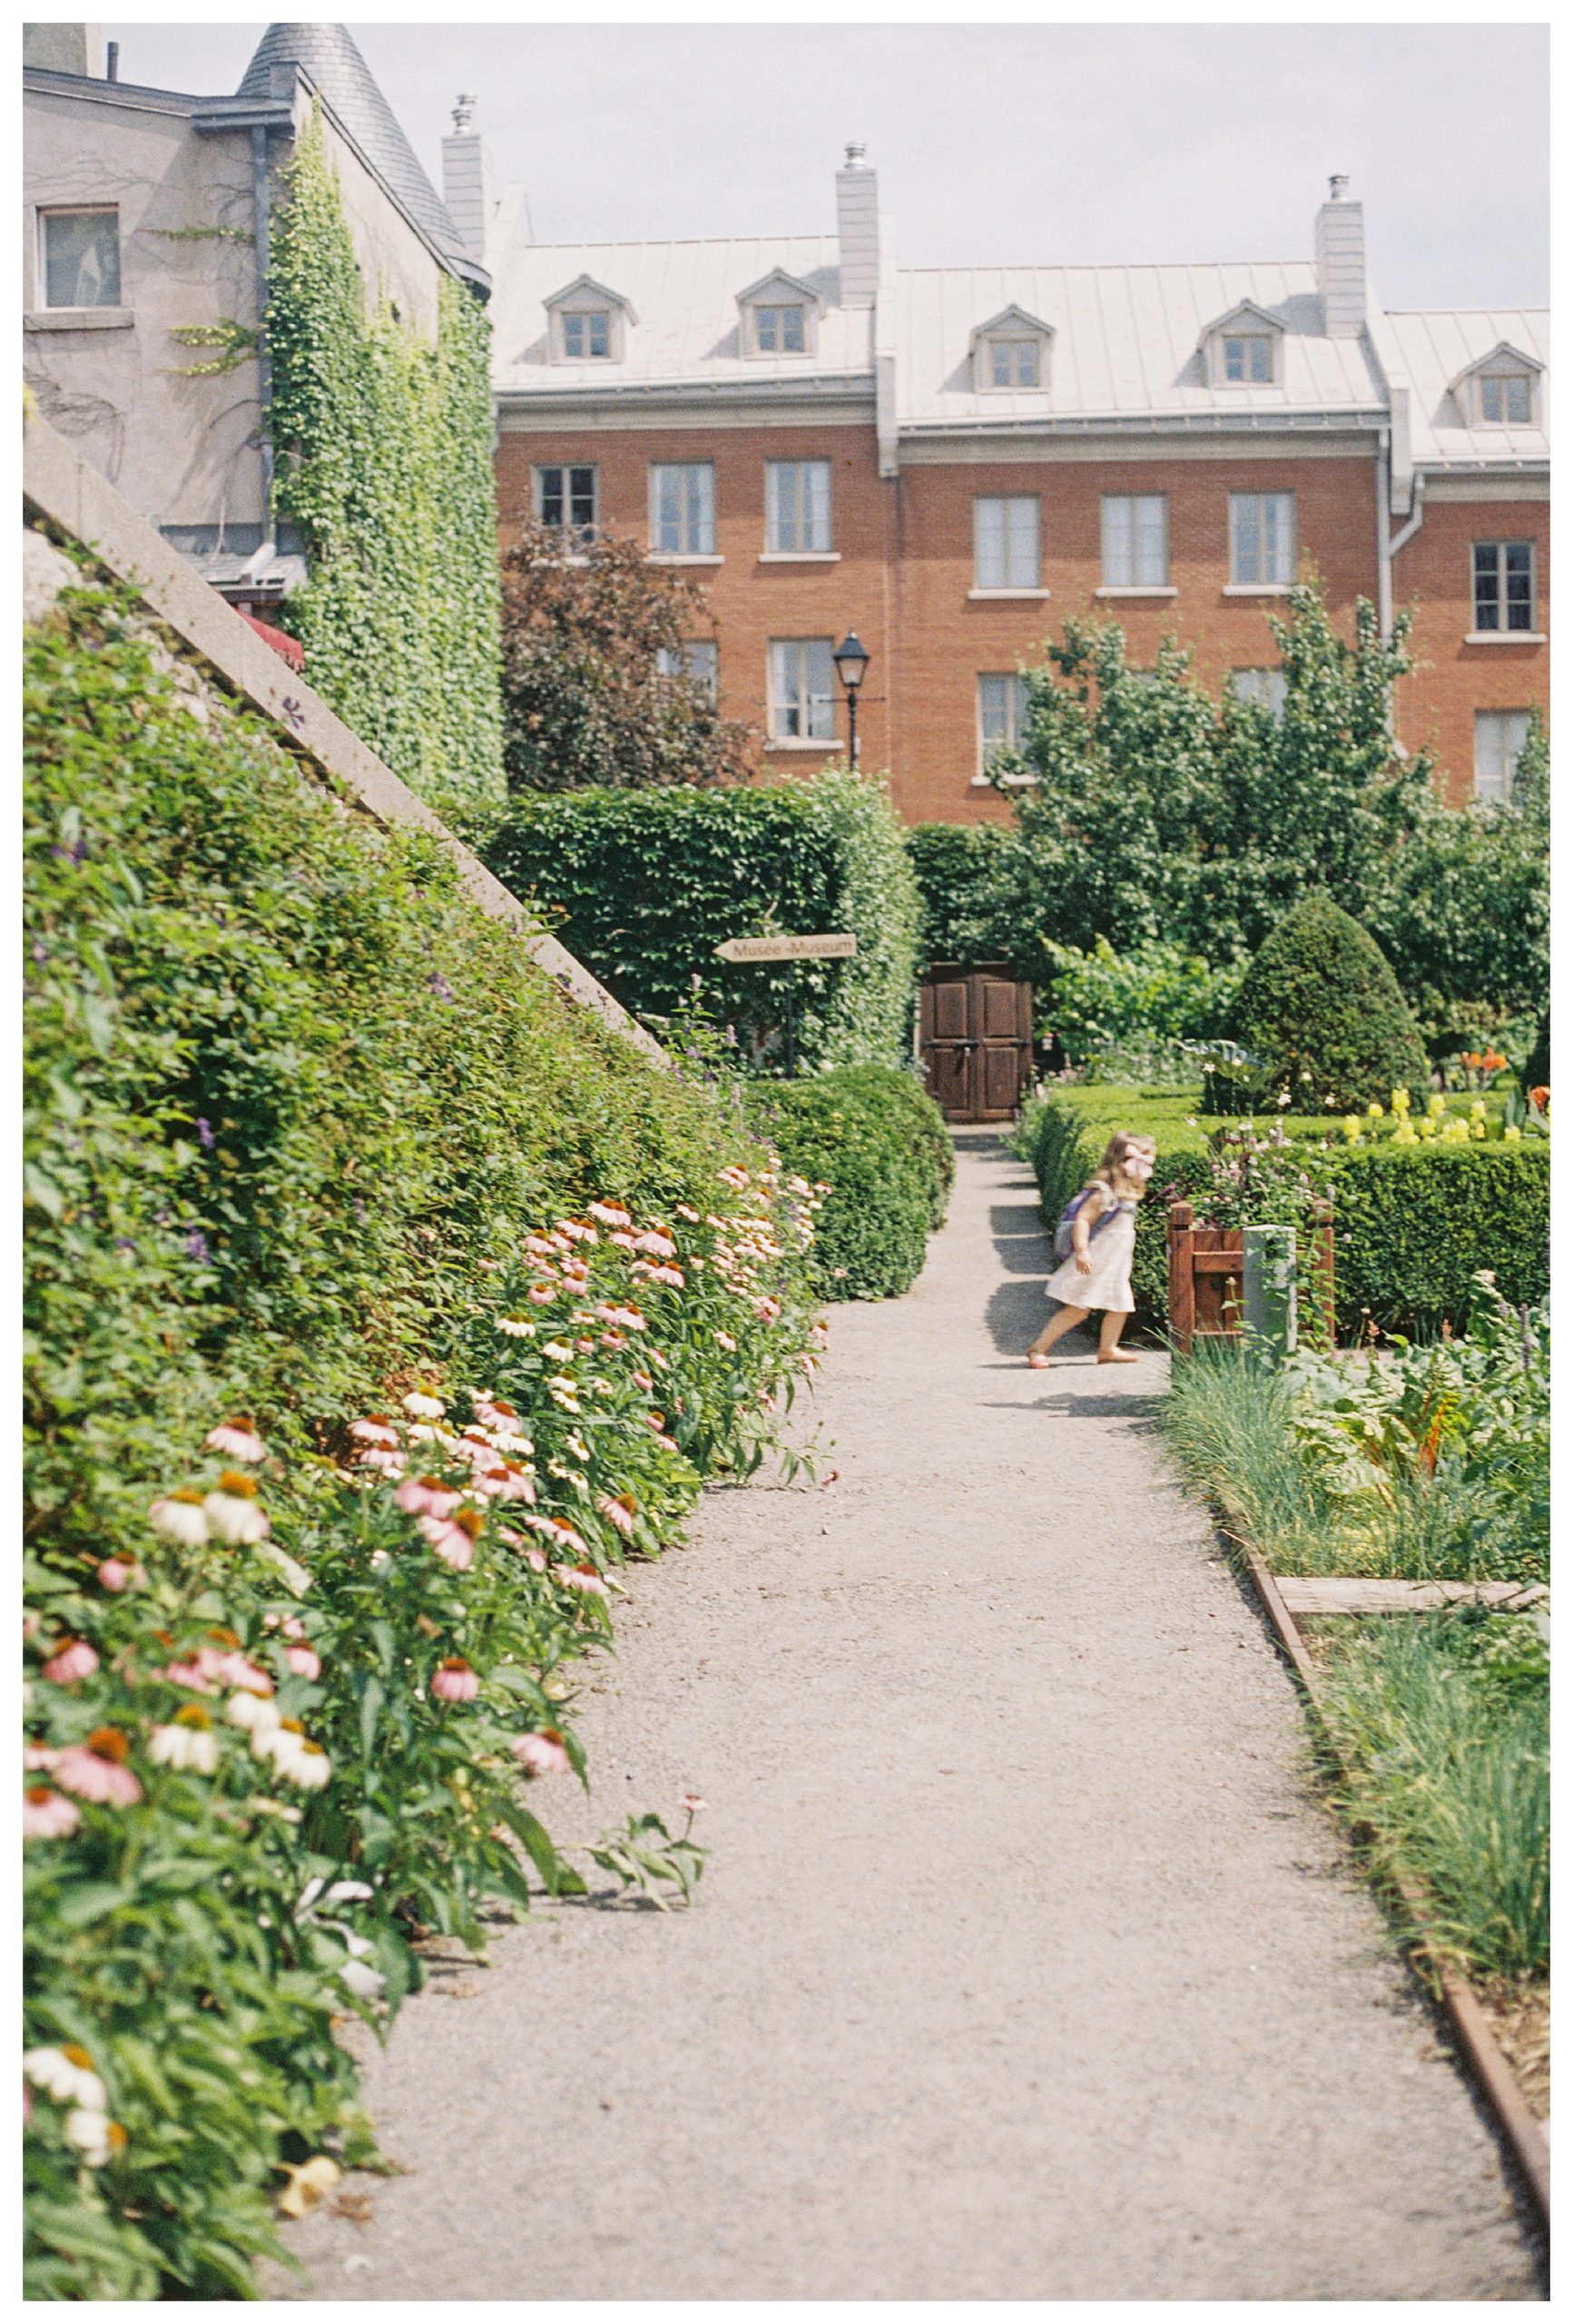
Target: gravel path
{"x":1027,"y":1967}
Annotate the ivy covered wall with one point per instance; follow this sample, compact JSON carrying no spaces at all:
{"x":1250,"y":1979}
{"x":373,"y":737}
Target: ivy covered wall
{"x":383,"y":446}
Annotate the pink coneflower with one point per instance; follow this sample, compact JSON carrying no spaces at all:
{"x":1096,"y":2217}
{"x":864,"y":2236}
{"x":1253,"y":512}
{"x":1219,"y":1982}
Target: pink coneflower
{"x":453,"y":1541}
{"x":38,"y":1755}
{"x":618,"y":1512}
{"x":96,"y":1771}
{"x":375,"y":1430}
{"x":180,"y":1517}
{"x":690,"y":1803}
{"x":427,"y":1497}
{"x":234,"y":1671}
{"x":643,"y":1380}
{"x":583,"y":1577}
{"x":192,"y":1675}
{"x":538,"y":1247}
{"x":517,"y":1484}
{"x":578,"y":1231}
{"x":238,"y":1438}
{"x":541,"y":1754}
{"x":119,"y":1573}
{"x":304,"y":1662}
{"x":72,"y":1659}
{"x":732,"y":1177}
{"x":659,"y":1245}
{"x":614,"y":1339}
{"x":609,"y":1214}
{"x":624,"y":1240}
{"x":540,"y":1295}
{"x":682,"y":1211}
{"x":767,"y":1309}
{"x":378,"y":1457}
{"x":725,"y":1340}
{"x":47,"y":1816}
{"x":454,"y":1681}
{"x":667,"y":1444}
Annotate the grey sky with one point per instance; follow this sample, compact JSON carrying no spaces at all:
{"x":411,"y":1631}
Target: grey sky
{"x":1064,"y":144}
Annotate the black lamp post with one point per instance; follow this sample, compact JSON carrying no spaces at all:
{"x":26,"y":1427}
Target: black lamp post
{"x":851,"y":659}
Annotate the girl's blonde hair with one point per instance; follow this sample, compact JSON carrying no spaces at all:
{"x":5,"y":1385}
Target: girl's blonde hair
{"x":1123,"y":1142}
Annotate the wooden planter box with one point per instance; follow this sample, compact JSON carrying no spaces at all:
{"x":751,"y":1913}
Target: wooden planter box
{"x":1207,"y":1279}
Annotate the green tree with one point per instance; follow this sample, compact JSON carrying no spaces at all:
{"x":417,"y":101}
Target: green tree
{"x":587,"y":704}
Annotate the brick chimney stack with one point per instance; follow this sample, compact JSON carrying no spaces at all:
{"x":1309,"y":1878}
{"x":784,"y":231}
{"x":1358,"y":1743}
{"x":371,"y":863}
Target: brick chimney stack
{"x":1340,"y":262}
{"x":466,"y":187}
{"x":857,"y":223}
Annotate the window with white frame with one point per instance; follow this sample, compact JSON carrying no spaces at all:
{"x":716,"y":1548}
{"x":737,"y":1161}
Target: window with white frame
{"x":1135,"y":540}
{"x":566,"y":499}
{"x":779,"y":330}
{"x":1507,"y":399}
{"x":1262,"y":539}
{"x":1268,"y":689}
{"x":1012,"y":362}
{"x":1248,"y":359}
{"x":802,"y":706}
{"x":1504,"y":585}
{"x":1005,"y":543}
{"x":683,"y":509}
{"x":80,"y":251}
{"x":1500,"y":736}
{"x":587,"y":335}
{"x":696,"y":663}
{"x":1001,"y":715}
{"x":797,"y":500}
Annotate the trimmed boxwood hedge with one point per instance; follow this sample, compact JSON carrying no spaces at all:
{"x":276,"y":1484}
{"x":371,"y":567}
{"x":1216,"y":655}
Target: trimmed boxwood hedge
{"x":1413,"y":1224}
{"x":882,"y":1145}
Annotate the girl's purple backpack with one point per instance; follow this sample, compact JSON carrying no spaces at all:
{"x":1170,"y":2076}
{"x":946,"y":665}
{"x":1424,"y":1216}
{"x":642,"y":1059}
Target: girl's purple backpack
{"x":1063,"y":1245}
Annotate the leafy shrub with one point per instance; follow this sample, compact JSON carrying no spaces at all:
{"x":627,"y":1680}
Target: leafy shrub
{"x":647,"y":883}
{"x":1321,"y":1007}
{"x":385,"y":463}
{"x":970,"y":877}
{"x":293,"y":1110}
{"x":881,"y":1145}
{"x":586,"y":703}
{"x":1156,"y":991}
{"x":1537,"y":1074}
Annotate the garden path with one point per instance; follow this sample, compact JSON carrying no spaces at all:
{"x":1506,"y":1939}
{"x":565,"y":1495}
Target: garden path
{"x":1027,"y":1965}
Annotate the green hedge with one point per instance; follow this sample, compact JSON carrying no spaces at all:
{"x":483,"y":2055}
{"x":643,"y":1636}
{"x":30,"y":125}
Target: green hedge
{"x":880,"y":1145}
{"x":969,"y":878}
{"x":1413,"y":1224}
{"x":647,"y":883}
{"x":302,"y":1129}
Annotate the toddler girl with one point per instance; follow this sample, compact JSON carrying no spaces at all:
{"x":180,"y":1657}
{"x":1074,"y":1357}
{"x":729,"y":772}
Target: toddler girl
{"x":1097,"y":1273}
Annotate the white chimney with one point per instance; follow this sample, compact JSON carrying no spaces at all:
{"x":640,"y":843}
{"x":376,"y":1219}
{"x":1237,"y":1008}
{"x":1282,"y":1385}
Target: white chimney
{"x":466,"y":180}
{"x":65,"y":48}
{"x":1340,"y":262}
{"x":858,"y":225}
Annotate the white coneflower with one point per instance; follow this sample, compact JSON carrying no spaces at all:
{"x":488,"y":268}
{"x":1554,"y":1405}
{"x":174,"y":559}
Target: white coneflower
{"x":231,"y":1510}
{"x":188,"y":1745}
{"x":91,"y":2133}
{"x":259,"y":1714}
{"x":516,"y":1327}
{"x":180,"y":1517}
{"x":424,"y":1405}
{"x":66,"y":2075}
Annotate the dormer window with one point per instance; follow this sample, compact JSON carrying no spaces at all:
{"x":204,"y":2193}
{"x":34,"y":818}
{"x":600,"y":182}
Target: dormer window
{"x":1501,"y":391}
{"x":1248,"y":358}
{"x":1508,"y":399}
{"x":1011,"y":362}
{"x":1243,"y":349}
{"x":1011,"y":351}
{"x":587,"y":336}
{"x":778,"y":315}
{"x":779,"y":330}
{"x":587,"y":323}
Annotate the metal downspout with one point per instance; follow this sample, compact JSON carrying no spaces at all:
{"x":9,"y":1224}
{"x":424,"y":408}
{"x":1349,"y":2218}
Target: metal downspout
{"x":1384,"y":548}
{"x":261,"y":206}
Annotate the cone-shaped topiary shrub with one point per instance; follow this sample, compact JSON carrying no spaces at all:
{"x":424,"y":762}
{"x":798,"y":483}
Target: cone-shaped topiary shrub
{"x":1538,"y":1066}
{"x":1321,"y":1009}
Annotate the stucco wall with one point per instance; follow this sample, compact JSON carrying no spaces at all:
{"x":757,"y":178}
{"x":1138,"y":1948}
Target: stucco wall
{"x":394,"y":262}
{"x":182,"y":450}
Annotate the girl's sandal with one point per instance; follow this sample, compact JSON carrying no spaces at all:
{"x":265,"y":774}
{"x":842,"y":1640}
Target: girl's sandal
{"x":1037,"y":1362}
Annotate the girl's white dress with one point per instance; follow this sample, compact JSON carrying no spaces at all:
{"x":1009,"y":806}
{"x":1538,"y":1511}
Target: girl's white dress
{"x":1110,"y":1247}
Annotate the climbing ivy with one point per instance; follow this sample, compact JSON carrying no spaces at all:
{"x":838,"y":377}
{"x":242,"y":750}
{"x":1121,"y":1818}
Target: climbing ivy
{"x":384,"y":461}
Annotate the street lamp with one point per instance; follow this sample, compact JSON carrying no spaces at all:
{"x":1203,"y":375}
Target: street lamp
{"x":851,"y":659}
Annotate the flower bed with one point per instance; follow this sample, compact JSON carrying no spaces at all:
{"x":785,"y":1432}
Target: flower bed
{"x":380,"y":1307}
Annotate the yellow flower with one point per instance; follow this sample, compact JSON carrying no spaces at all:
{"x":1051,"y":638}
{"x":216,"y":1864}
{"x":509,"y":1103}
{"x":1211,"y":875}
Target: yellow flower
{"x":1436,"y":1104}
{"x":1513,"y":1135}
{"x":1401,"y":1101}
{"x":1476,"y":1129}
{"x":1375,"y":1111}
{"x":1404,"y":1135}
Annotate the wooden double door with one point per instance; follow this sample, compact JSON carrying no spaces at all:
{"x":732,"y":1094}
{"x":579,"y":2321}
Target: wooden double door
{"x":975,"y":1037}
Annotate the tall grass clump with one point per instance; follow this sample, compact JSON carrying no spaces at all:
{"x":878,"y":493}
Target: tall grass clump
{"x":1443,"y":1722}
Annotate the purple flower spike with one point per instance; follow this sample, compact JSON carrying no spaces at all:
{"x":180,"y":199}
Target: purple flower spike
{"x":197,"y":1246}
{"x":205,"y":1132}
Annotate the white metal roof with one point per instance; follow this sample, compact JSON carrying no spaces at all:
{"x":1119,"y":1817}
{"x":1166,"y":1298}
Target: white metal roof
{"x":1426,"y":353}
{"x":1125,"y":349}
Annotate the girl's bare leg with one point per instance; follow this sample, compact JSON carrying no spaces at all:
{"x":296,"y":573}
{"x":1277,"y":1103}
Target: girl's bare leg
{"x":1109,"y":1350}
{"x":1066,"y":1319}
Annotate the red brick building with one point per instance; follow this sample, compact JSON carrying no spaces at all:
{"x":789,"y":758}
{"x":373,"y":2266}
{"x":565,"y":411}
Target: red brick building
{"x":949,"y":461}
